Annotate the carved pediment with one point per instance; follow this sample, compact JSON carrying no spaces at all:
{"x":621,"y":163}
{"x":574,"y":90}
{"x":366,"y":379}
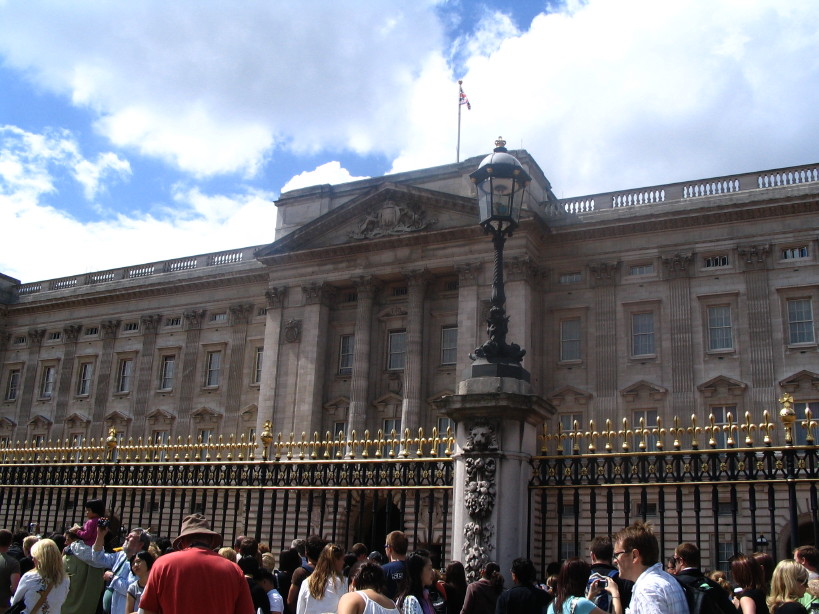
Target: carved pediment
{"x":722,"y":385}
{"x":570,"y":396}
{"x":388,"y":213}
{"x":390,"y":403}
{"x":77,"y":420}
{"x":338,"y":405}
{"x":6,"y":424}
{"x":39,"y":422}
{"x":160,"y":417}
{"x":805,"y":380}
{"x":206,"y":414}
{"x":644,"y":389}
{"x":248,"y":414}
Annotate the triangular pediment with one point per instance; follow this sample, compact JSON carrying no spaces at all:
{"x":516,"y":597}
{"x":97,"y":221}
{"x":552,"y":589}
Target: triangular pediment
{"x":569,"y":396}
{"x":722,"y":384}
{"x":204,"y":414}
{"x":382,"y":216}
{"x":39,"y":422}
{"x":6,"y":423}
{"x":803,"y":379}
{"x":77,"y":420}
{"x":652,"y":391}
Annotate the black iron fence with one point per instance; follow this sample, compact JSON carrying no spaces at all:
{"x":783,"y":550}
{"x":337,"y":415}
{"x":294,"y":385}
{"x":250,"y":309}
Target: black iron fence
{"x":347,"y":490}
{"x":726,"y":487}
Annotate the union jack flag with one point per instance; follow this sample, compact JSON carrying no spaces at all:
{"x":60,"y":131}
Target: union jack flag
{"x":464,"y":99}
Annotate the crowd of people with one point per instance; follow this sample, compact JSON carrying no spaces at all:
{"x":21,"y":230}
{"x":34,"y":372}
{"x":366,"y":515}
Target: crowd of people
{"x":79,"y":572}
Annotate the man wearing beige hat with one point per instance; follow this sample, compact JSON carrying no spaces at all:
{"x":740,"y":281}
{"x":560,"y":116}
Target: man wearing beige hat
{"x":195,"y":578}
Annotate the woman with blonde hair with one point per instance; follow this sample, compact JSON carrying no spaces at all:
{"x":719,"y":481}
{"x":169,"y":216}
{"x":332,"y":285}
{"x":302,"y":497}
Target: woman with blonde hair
{"x":44,"y":588}
{"x":788,"y":584}
{"x":321,"y":591}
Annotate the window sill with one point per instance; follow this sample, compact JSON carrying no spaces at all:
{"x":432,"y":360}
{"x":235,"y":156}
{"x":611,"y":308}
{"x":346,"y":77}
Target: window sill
{"x":722,"y":352}
{"x":802,"y":346}
{"x":643,"y":358}
{"x":570,"y":363}
{"x":122,"y":393}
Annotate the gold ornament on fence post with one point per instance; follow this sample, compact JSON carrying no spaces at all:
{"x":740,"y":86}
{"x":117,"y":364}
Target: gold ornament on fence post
{"x":266,"y":437}
{"x":788,"y":416}
{"x":111,"y":443}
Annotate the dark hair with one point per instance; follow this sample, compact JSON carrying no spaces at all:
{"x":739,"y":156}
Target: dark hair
{"x":145,"y":556}
{"x":289,"y":560}
{"x":491,"y":571}
{"x":369,"y":575}
{"x":315,"y":544}
{"x":376,"y":556}
{"x":5,"y":538}
{"x":766,"y":561}
{"x":248,"y":547}
{"x":747,"y":572}
{"x":810,"y":554}
{"x":525,"y":572}
{"x":640,"y":537}
{"x":456,"y":575}
{"x":359,"y":549}
{"x":413,"y":583}
{"x":263,"y":574}
{"x":602,"y":548}
{"x":248,"y":564}
{"x":688,"y":553}
{"x":97,"y":506}
{"x":571,"y":581}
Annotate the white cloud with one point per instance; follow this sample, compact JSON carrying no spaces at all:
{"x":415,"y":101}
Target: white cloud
{"x":90,"y":174}
{"x":331,"y":173}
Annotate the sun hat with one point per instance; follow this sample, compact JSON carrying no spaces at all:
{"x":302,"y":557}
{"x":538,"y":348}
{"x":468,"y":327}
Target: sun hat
{"x":196,"y":524}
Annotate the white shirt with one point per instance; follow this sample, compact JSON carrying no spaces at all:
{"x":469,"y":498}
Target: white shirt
{"x":657,"y":592}
{"x":29,"y":590}
{"x":306,"y":604}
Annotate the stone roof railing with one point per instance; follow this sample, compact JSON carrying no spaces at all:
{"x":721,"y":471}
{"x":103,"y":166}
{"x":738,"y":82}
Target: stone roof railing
{"x":686,"y":190}
{"x":214,"y":259}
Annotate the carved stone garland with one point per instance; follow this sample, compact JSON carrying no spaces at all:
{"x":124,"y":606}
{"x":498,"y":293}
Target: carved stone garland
{"x":480,"y":461}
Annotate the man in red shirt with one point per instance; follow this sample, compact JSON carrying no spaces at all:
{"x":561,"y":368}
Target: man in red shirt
{"x":195,"y":578}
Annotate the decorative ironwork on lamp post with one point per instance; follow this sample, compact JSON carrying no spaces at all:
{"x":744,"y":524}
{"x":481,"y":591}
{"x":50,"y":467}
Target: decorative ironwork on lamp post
{"x":501,"y":182}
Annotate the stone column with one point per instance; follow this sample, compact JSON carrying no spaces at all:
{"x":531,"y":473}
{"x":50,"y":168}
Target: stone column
{"x":312,"y":357}
{"x":110,"y":328}
{"x":471,"y":329}
{"x":270,"y":361}
{"x":678,"y":273}
{"x":411,"y":405}
{"x":70,"y":335}
{"x":35,"y":341}
{"x":604,"y":278}
{"x":366,"y":287}
{"x":239,"y":320}
{"x":148,"y":326}
{"x":755,"y":262}
{"x":189,"y":380}
{"x":522,"y":302}
{"x":496,"y":436}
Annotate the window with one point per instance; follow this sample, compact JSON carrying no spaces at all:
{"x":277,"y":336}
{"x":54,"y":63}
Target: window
{"x":160,"y":439}
{"x":346,"y":349}
{"x":642,"y":334}
{"x":84,"y":379}
{"x":449,"y":345}
{"x":171,"y":322}
{"x":641,"y":269}
{"x":339,"y":427}
{"x":570,"y":339}
{"x":219,"y":317}
{"x":257,"y":365}
{"x":12,"y":385}
{"x":205,"y":439}
{"x":712,"y":262}
{"x":131,"y":327}
{"x":261,"y":311}
{"x":166,"y":372}
{"x":47,"y":382}
{"x":397,"y":350}
{"x":392,"y":424}
{"x":55,"y":335}
{"x":719,"y":328}
{"x":20,"y":340}
{"x":91,"y":331}
{"x":720,"y":413}
{"x":800,"y":321}
{"x":570,"y":278}
{"x":568,"y":549}
{"x":399,"y":291}
{"x":725,"y":550}
{"x":125,"y":374}
{"x":568,"y":424}
{"x":213,"y":365}
{"x":792,"y":253}
{"x":649,"y":509}
{"x":649,"y":421}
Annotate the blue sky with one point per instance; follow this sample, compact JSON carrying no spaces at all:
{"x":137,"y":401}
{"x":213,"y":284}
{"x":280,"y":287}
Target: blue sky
{"x":141,"y":131}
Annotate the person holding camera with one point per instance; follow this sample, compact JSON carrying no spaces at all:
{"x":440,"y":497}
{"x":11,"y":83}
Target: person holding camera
{"x":571,"y":596}
{"x":94,"y":511}
{"x":120,"y":576}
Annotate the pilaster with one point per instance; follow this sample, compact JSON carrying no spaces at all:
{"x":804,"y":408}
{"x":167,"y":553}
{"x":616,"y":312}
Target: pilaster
{"x":70,"y":335}
{"x":470,"y":329}
{"x":677,"y":269}
{"x":411,"y":404}
{"x":110,"y":329}
{"x":603,"y":276}
{"x":276,"y":298}
{"x":521,"y":277}
{"x":239,"y":320}
{"x":149,"y":325}
{"x":366,"y":287}
{"x":193,"y":333}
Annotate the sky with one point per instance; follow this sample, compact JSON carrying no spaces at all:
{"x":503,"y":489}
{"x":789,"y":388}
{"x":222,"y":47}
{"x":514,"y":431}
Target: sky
{"x":134,"y":132}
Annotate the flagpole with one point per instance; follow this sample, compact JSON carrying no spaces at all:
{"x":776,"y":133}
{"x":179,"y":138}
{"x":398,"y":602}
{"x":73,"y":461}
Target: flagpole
{"x":458,"y":149}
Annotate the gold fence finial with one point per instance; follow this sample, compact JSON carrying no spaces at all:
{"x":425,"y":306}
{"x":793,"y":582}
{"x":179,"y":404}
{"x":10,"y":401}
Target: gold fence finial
{"x":788,"y":417}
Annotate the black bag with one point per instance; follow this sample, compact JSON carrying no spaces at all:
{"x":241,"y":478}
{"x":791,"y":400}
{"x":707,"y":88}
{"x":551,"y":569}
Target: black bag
{"x":700,"y":598}
{"x":17,"y":608}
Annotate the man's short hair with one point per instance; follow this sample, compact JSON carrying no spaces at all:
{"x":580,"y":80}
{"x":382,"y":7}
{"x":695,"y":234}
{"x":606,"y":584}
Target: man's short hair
{"x":524,"y":570}
{"x":602,"y":548}
{"x":398,"y":542}
{"x":639,"y":536}
{"x":810,"y":554}
{"x":315,"y":544}
{"x":249,"y":547}
{"x":688,"y":553}
{"x":5,"y":538}
{"x":359,"y":549}
{"x":300,"y":546}
{"x":144,"y":537}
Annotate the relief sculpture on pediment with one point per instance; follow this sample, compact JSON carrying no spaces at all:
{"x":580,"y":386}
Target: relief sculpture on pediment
{"x":392,"y":219}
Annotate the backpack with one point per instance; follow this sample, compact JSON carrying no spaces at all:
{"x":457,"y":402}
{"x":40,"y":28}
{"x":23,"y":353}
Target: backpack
{"x":700,"y":598}
{"x":603,"y":600}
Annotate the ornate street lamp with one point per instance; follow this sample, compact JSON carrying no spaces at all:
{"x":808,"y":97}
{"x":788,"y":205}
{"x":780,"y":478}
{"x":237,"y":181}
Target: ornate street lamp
{"x":761,"y":543}
{"x":501,"y":183}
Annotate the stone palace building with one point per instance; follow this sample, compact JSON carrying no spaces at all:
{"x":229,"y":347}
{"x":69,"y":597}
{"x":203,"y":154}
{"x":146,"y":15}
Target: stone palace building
{"x":690,"y":298}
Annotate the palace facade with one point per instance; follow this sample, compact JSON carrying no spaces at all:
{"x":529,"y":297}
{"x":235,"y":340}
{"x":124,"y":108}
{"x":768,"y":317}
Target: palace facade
{"x":644,"y":305}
